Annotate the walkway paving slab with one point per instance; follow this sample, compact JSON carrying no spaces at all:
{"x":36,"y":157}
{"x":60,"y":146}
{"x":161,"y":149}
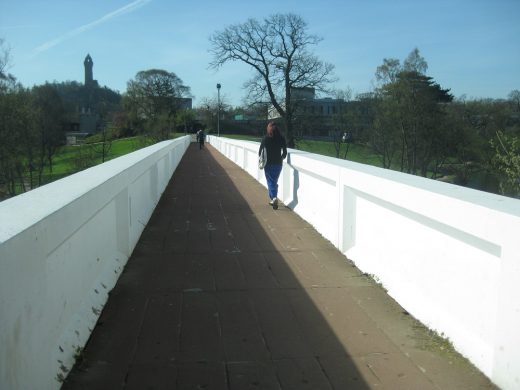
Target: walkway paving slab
{"x":222,"y":292}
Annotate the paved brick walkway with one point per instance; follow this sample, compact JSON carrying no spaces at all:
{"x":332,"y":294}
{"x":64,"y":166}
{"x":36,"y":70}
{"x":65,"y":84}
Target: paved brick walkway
{"x":222,"y":292}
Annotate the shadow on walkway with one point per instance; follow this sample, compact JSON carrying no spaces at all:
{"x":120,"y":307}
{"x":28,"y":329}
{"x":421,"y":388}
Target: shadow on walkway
{"x":222,"y":292}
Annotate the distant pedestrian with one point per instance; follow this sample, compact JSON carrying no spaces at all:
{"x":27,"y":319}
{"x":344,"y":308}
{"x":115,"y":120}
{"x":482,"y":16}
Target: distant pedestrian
{"x":276,"y":150}
{"x":200,"y":138}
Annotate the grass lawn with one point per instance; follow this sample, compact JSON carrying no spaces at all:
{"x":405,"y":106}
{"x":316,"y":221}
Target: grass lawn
{"x":65,"y":161}
{"x":70,"y":159}
{"x":241,"y":137}
{"x":357,"y":153}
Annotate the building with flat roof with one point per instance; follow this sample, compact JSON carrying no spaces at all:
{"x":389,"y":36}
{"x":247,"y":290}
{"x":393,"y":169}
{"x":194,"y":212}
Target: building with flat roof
{"x":313,"y":116}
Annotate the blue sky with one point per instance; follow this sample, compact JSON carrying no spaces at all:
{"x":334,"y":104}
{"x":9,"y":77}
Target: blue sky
{"x":471,"y":46}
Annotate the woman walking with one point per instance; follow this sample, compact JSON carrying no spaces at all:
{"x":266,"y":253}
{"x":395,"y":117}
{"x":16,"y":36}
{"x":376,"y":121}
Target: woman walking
{"x":275,"y":150}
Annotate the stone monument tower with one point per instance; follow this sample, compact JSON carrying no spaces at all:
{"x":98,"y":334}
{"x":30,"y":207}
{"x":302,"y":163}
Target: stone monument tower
{"x":89,"y":77}
{"x":88,"y":117}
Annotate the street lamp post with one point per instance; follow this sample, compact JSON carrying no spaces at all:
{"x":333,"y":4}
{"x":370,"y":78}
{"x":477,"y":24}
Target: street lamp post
{"x":218,"y":110}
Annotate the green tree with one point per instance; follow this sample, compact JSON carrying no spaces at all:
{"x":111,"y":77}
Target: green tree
{"x":411,"y":110}
{"x":49,"y":117}
{"x":504,"y":120}
{"x":507,"y":162}
{"x":15,"y":137}
{"x":153,"y":98}
{"x":469,"y":149}
{"x":385,"y":135}
{"x":185,"y":120}
{"x":278,"y":50}
{"x":16,"y":141}
{"x":75,"y":96}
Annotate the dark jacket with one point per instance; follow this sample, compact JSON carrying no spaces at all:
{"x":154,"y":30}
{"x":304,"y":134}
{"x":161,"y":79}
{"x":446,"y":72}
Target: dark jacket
{"x":275,"y":147}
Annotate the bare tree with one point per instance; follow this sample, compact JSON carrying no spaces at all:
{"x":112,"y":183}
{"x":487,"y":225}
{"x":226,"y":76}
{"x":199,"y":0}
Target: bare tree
{"x":208,"y":110}
{"x":388,"y":72}
{"x":277,"y":48}
{"x":5,"y":57}
{"x":415,"y":62}
{"x":342,"y":131}
{"x":514,"y":98}
{"x":49,"y":116}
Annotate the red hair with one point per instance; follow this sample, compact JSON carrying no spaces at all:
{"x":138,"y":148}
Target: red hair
{"x":272,"y":129}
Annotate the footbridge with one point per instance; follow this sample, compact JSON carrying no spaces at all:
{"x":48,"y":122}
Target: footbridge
{"x":167,"y":269}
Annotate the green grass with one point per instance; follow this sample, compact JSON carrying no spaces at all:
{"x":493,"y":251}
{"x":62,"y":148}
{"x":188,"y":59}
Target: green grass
{"x":64,"y":162}
{"x":242,"y":137}
{"x":363,"y":154}
{"x":125,"y":146}
{"x":357,"y":153}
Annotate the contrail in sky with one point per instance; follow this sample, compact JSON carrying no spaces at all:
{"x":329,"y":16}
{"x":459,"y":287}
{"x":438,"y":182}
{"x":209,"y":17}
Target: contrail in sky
{"x":111,"y":15}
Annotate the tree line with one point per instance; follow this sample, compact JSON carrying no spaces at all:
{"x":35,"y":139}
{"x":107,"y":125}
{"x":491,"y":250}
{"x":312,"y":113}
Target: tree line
{"x":416,"y":126}
{"x":34,"y":121}
{"x":408,"y":120}
{"x":412,"y":123}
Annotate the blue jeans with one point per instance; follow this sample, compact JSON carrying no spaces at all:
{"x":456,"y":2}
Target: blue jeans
{"x":272,"y":172}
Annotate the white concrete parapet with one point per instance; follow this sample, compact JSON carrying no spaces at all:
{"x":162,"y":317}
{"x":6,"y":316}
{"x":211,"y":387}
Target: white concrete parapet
{"x":448,"y":254}
{"x":62,"y":249}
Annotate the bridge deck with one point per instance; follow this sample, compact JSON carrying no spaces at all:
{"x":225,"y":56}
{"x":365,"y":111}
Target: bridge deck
{"x":222,"y":292}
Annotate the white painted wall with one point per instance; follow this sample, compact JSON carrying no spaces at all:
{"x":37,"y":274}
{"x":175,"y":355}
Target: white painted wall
{"x":448,"y":254}
{"x":62,"y":249}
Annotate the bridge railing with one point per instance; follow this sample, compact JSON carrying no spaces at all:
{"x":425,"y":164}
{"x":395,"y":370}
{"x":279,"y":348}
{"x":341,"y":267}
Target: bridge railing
{"x":62,"y":249}
{"x":449,"y":255}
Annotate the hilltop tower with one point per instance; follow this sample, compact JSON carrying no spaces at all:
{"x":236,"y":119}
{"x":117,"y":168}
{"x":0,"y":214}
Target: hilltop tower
{"x":89,"y":77}
{"x":88,"y":117}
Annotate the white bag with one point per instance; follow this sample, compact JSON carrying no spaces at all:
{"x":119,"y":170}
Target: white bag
{"x":262,"y":159}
